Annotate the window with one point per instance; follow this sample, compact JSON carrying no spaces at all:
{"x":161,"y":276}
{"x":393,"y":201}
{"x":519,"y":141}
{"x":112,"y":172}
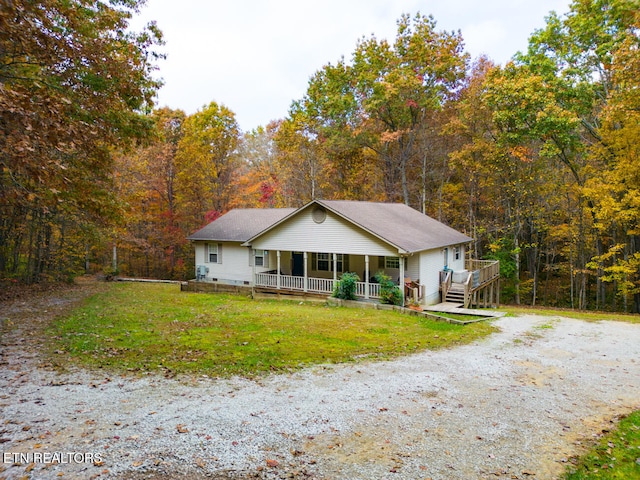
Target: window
{"x":214,"y":253}
{"x":456,"y":253}
{"x":323,"y":262}
{"x":261,"y":258}
{"x":391,"y":262}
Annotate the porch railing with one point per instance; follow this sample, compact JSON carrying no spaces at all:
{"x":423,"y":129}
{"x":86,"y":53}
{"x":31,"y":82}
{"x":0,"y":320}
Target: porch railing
{"x":483,"y":271}
{"x":320,"y":285}
{"x":314,"y":285}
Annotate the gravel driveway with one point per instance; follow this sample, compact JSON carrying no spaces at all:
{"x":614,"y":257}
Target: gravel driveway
{"x":515,"y":405}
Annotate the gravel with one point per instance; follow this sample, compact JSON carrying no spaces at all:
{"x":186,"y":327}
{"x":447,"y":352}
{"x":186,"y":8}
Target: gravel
{"x":518,"y":404}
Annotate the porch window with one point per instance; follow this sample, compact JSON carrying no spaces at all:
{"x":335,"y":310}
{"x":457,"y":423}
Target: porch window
{"x":323,"y":262}
{"x":261,"y":258}
{"x":213,"y":253}
{"x":391,"y":262}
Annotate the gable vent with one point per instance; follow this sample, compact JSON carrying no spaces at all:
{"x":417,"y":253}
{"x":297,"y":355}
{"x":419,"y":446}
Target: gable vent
{"x":319,"y":214}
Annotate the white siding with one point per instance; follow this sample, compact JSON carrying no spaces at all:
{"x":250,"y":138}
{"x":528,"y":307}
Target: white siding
{"x":431,"y":263}
{"x":334,"y":235}
{"x":456,"y":265}
{"x":413,"y":268}
{"x":235,"y":266}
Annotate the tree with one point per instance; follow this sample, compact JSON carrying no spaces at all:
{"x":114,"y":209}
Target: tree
{"x":574,"y":56}
{"x":206,"y":160}
{"x":73,"y":81}
{"x":151,"y":239}
{"x":616,"y":192}
{"x":259,"y":180}
{"x":399,"y":86}
{"x":381,"y":104}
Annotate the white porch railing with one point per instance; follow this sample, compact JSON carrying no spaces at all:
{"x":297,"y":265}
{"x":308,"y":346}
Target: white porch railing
{"x":374,"y":289}
{"x":266,"y":280}
{"x":314,"y":285}
{"x":320,"y":285}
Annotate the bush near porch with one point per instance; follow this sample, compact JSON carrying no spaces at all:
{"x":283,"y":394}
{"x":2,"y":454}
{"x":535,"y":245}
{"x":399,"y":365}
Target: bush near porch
{"x":155,"y":327}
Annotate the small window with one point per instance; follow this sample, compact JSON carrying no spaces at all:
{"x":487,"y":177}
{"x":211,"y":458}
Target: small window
{"x":214,"y":251}
{"x":323,"y":262}
{"x":391,"y":262}
{"x":456,"y":253}
{"x":261,"y":258}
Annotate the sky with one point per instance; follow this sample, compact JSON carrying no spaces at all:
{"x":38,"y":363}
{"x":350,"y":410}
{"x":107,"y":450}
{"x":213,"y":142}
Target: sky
{"x":256,"y":56}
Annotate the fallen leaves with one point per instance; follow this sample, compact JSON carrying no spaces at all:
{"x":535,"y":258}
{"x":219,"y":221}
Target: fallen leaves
{"x":181,"y":428}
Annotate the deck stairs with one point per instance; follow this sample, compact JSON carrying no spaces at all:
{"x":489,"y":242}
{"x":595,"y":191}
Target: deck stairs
{"x":455,"y":294}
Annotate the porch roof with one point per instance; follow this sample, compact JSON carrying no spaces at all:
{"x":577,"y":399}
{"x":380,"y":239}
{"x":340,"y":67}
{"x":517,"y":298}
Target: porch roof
{"x":240,"y":224}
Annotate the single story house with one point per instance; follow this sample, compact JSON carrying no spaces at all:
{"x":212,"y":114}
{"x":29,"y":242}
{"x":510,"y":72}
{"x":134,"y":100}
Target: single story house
{"x":307,"y":249}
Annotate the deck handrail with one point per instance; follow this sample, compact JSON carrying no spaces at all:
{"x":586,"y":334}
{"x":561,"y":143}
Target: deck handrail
{"x":487,"y":271}
{"x":467,"y":291}
{"x":446,"y":277}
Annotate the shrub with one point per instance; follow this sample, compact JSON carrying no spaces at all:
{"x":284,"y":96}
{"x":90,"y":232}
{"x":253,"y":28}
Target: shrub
{"x":346,"y":287}
{"x":389,"y":292}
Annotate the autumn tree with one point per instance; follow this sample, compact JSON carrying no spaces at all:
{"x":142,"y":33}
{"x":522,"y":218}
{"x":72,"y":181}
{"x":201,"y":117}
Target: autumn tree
{"x":151,"y":238}
{"x":259,"y":180}
{"x":381,"y":104}
{"x":73,"y":81}
{"x":616,"y":191}
{"x":206,"y":161}
{"x":571,"y":62}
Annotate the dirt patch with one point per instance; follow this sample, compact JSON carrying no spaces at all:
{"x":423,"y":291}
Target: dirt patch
{"x":514,"y":405}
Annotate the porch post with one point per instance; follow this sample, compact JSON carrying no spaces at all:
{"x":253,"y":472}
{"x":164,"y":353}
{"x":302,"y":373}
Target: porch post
{"x":402,"y":278}
{"x":335,"y":267}
{"x":279,"y":282}
{"x":306,"y":282}
{"x":252,"y":257}
{"x":366,"y":277}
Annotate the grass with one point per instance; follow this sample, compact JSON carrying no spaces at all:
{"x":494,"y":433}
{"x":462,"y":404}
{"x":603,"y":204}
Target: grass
{"x":616,"y":455}
{"x":589,"y":316}
{"x":140,"y":327}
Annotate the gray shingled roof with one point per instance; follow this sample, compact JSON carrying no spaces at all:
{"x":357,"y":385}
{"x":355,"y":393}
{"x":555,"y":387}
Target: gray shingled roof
{"x":241,"y":224}
{"x":398,"y":224}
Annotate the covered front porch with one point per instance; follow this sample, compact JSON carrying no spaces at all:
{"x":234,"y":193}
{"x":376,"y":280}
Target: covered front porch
{"x":318,"y":272}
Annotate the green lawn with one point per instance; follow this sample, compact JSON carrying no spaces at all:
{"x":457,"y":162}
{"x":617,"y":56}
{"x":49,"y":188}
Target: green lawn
{"x":616,"y":456}
{"x":139,"y":326}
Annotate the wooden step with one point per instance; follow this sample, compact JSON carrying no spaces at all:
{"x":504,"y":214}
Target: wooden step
{"x":455,"y":297}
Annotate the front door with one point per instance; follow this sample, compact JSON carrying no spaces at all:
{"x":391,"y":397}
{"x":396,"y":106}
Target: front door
{"x":297,"y":268}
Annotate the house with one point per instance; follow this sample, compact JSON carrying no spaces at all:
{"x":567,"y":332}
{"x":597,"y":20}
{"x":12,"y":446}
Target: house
{"x":307,"y":249}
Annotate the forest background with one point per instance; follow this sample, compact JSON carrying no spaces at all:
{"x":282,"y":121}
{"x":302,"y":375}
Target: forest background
{"x":537,"y":160}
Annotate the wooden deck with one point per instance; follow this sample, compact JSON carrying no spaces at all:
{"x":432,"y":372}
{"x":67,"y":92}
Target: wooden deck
{"x":480,"y":288}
